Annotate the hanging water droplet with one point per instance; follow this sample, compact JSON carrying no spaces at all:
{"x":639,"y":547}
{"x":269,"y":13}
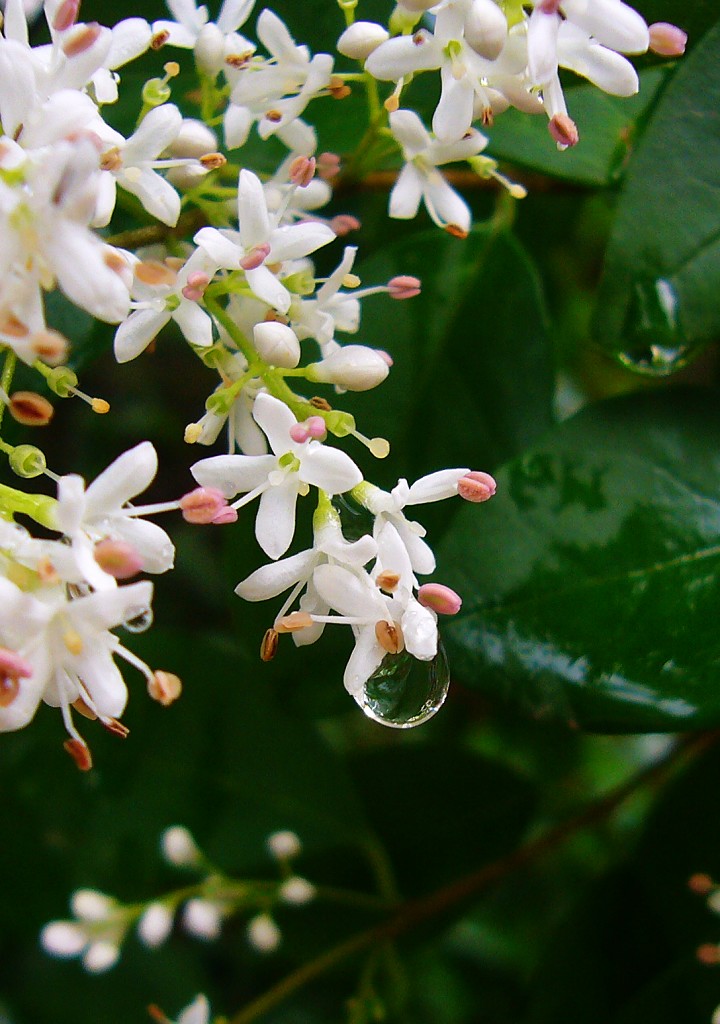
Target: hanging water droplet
{"x":657,"y":345}
{"x":355,"y":519}
{"x":404,"y":691}
{"x":138,"y":620}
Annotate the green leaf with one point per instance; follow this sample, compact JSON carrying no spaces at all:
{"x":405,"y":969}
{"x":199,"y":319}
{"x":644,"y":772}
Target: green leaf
{"x":589,"y":581}
{"x":660,"y":295}
{"x":472,"y":380}
{"x":606,"y":124}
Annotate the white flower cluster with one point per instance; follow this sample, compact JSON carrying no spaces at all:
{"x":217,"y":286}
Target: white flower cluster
{"x":101,"y":924}
{"x":245,"y":295}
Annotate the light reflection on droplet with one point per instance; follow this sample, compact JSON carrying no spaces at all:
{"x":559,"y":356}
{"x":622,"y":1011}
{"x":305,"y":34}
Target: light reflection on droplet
{"x":404,"y":691}
{"x":139,"y":620}
{"x":655,"y":342}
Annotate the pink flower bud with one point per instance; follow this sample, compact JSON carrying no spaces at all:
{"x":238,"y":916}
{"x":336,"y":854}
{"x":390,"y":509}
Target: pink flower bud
{"x":224,"y":516}
{"x":255,"y":257}
{"x":476,"y":486}
{"x":344,"y":223}
{"x":202,"y":505}
{"x":66,"y":15}
{"x":197,"y":282}
{"x":439,"y":598}
{"x":667,"y":40}
{"x":328,"y":166}
{"x":302,"y":170}
{"x":118,"y":558}
{"x":404,"y":287}
{"x":564,"y":130}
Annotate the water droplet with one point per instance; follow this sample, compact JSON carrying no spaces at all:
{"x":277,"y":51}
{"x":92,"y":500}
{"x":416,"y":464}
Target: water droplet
{"x":657,"y":345}
{"x":405,"y":692}
{"x":355,"y":519}
{"x":139,"y":620}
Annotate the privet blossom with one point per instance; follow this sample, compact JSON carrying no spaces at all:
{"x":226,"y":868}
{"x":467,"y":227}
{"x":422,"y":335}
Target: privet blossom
{"x":243,"y":292}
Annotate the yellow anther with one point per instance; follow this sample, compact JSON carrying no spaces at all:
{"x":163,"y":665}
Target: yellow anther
{"x":351,"y":281}
{"x":73,"y":641}
{"x":192,"y":433}
{"x":99,"y":405}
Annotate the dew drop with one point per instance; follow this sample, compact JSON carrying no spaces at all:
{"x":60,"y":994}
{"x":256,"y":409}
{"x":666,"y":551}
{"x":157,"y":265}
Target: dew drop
{"x":404,"y":691}
{"x":657,"y":345}
{"x":355,"y":519}
{"x":139,"y":620}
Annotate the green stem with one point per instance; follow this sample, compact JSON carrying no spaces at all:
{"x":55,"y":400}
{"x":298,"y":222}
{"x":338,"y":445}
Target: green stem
{"x":223,"y":318}
{"x":416,"y":912}
{"x":6,"y":379}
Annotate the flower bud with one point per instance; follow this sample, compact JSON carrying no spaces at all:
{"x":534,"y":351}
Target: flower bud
{"x":344,"y":223}
{"x":202,"y":919}
{"x":179,"y":848}
{"x":360,"y":39}
{"x":284,"y":845}
{"x":476,"y":486}
{"x":63,"y":938}
{"x":100,"y":956}
{"x":91,"y":905}
{"x":353,"y":367}
{"x":667,"y":40}
{"x":155,"y":925}
{"x":210,"y":49}
{"x":277,"y":344}
{"x":486,"y":28}
{"x":296,"y":890}
{"x":263,"y":934}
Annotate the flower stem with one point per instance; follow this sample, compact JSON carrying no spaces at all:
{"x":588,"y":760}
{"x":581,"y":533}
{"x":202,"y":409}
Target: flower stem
{"x":6,"y":379}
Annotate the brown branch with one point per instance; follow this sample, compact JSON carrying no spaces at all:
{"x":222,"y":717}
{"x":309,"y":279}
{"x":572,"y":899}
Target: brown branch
{"x":415,"y":912}
{"x":150,"y":234}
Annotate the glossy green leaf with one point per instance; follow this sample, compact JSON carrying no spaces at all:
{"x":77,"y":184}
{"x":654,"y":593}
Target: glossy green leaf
{"x":472,"y":378}
{"x":606,"y":125}
{"x":660,"y":295}
{"x":589,"y":581}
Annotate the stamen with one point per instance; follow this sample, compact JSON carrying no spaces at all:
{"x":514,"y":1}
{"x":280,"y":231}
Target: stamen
{"x":80,"y":753}
{"x":293,"y":622}
{"x":98,"y":405}
{"x":9,"y":689}
{"x":388,"y":581}
{"x":390,"y":637}
{"x":29,"y":408}
{"x":154,"y":273}
{"x":164,"y":687}
{"x":73,"y":642}
{"x":377,"y":446}
{"x":269,"y":645}
{"x":81,"y":41}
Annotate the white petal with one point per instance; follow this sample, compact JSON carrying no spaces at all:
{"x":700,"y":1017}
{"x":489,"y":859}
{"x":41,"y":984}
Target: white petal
{"x":221,"y":246}
{"x":349,"y":593}
{"x":76,"y":256}
{"x":157,"y":196}
{"x":276,"y":421}
{"x":365,"y":659}
{"x":542,"y":45}
{"x":252,"y":210}
{"x":177,"y":35}
{"x":130,"y":38}
{"x":290,"y":243}
{"x":266,"y":286}
{"x":406,"y":193}
{"x":110,"y":608}
{"x":103,"y":681}
{"x":454,"y":113}
{"x":237,"y":124}
{"x":134,"y":336}
{"x":125,"y":477}
{"x":233,"y":474}
{"x":603,"y":67}
{"x":435,"y":486}
{"x":419,"y":628}
{"x":271,"y":580}
{"x":233,"y":14}
{"x":444,"y":204}
{"x":403,"y":55}
{"x":410,"y":132}
{"x":328,"y":468}
{"x":612,"y":23}
{"x":149,"y":540}
{"x":275,"y":522}
{"x":194,"y":322}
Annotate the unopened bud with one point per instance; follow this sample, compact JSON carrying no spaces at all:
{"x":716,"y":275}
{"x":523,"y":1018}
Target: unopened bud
{"x":284,"y":845}
{"x":155,"y":925}
{"x":277,"y":344}
{"x":353,"y":367}
{"x":91,"y":905}
{"x":404,"y":287}
{"x":269,"y":645}
{"x":194,"y":139}
{"x":164,"y":687}
{"x":564,"y":130}
{"x":439,"y":598}
{"x":209,"y":49}
{"x":389,"y":636}
{"x":100,"y":956}
{"x":118,"y":558}
{"x":81,"y":40}
{"x":476,"y":486}
{"x":30,"y":409}
{"x":296,"y":890}
{"x":485,"y":28}
{"x":202,"y":505}
{"x":360,"y":39}
{"x":202,"y":919}
{"x":667,"y":40}
{"x":179,"y":848}
{"x":80,"y":753}
{"x":263,"y":934}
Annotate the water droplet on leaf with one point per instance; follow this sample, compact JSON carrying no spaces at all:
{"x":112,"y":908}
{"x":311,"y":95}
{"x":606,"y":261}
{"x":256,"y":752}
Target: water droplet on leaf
{"x":657,"y":345}
{"x":404,"y":691}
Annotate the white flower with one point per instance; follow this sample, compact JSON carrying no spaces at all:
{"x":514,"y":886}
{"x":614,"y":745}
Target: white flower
{"x":420,"y":179}
{"x":279,"y":478}
{"x":203,"y":919}
{"x":211,"y":41}
{"x":179,"y":847}
{"x":155,"y":925}
{"x":155,"y":304}
{"x":259,"y":242}
{"x":329,"y":309}
{"x":198,"y":1012}
{"x":263,"y":934}
{"x":102,"y":510}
